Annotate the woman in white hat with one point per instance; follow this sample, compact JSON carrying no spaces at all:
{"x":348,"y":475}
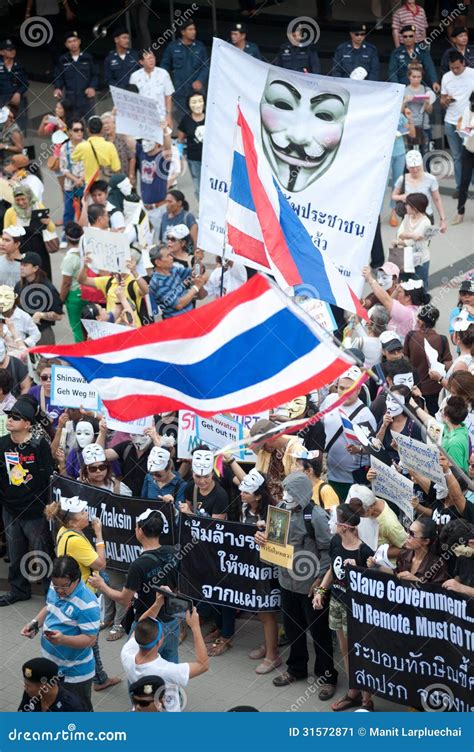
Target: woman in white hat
{"x":418,"y":180}
{"x":97,"y":471}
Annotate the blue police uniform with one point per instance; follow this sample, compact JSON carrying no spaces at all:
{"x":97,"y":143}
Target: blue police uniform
{"x":293,"y":57}
{"x":117,"y":72}
{"x":468,"y":56}
{"x":347,"y":58}
{"x":12,"y":81}
{"x":400,"y":60}
{"x":186,"y":64}
{"x":252,"y":49}
{"x":74,"y":77}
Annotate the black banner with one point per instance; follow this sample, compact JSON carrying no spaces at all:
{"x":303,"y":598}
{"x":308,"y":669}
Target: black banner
{"x":411,"y":644}
{"x":220,"y":564}
{"x":118,"y":515}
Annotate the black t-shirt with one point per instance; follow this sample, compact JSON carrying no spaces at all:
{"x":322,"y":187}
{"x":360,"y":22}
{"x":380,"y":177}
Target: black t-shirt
{"x":216,"y":502}
{"x":18,"y":371}
{"x":465,"y":570}
{"x":134,"y":468}
{"x":65,"y":702}
{"x":193,"y":139}
{"x":152,"y":569}
{"x":32,"y":301}
{"x":338,"y":555}
{"x":442,"y":515}
{"x":25,"y":471}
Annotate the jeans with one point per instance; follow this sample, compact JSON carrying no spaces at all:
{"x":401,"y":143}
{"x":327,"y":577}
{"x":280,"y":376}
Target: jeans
{"x":225,"y":621}
{"x":298,"y":617}
{"x":455,"y":146}
{"x":82,"y":690}
{"x":397,"y":168}
{"x":68,"y":215}
{"x":24,"y":536}
{"x":170,"y":645}
{"x":467,"y":167}
{"x":195,"y":170}
{"x":423,"y":272}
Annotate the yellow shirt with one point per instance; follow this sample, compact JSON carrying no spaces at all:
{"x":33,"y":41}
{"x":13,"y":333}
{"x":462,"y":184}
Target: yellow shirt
{"x":111,"y":298}
{"x":76,"y":545}
{"x":11,"y":218}
{"x":329,"y":497}
{"x":390,"y":529}
{"x":107,"y":156}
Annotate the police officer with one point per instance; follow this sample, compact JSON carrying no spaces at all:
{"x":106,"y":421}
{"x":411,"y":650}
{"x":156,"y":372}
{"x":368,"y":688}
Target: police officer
{"x":407,"y":53}
{"x":297,"y":55}
{"x":122,"y":62}
{"x":460,"y":42}
{"x":238,"y":37}
{"x":77,"y":77}
{"x":13,"y":82}
{"x":356,"y":54}
{"x":187,"y":62}
{"x":44,"y":689}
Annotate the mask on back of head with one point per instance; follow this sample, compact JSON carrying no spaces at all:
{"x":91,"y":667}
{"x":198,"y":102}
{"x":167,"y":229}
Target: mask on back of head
{"x":84,"y":433}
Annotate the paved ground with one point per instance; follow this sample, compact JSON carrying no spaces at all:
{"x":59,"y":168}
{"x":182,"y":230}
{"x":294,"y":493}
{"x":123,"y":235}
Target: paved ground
{"x":231,"y":679}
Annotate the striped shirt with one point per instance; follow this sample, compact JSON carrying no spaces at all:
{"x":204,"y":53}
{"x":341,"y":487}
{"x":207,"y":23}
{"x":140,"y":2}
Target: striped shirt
{"x":77,"y":614}
{"x":167,"y":289}
{"x":406,"y":17}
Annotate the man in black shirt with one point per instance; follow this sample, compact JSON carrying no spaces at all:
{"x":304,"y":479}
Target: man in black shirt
{"x":133,"y":457}
{"x":26,"y":465}
{"x":203,"y":495}
{"x":45,"y":691}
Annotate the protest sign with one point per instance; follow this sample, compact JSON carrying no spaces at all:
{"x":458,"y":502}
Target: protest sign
{"x":70,"y":389}
{"x":392,"y":485}
{"x":280,"y":556}
{"x":3,"y":425}
{"x":134,"y":426}
{"x":100,"y":329}
{"x":190,"y":433}
{"x":110,"y":251}
{"x":220,"y":564}
{"x":357,"y":142}
{"x":118,"y":515}
{"x":137,"y":116}
{"x":219,"y":431}
{"x":320,"y":312}
{"x":420,"y":458}
{"x":411,"y":645}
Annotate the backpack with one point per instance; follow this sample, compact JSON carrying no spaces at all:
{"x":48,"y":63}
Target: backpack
{"x":141,"y":307}
{"x":307,"y":517}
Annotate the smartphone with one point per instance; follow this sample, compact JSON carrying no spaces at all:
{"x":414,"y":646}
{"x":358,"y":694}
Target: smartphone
{"x":40,"y":214}
{"x":48,"y":632}
{"x":175,"y":603}
{"x":196,"y":270}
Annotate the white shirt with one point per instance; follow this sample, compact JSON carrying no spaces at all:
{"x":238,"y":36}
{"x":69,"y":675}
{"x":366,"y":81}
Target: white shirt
{"x":155,"y":85}
{"x":9,"y":271}
{"x":234,"y":277}
{"x":174,"y":674}
{"x":116,"y":220}
{"x":459,"y":88}
{"x":25,"y":327}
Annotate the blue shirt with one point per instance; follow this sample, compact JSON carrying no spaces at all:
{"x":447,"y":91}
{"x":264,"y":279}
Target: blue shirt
{"x":76,"y":614}
{"x":347,"y":58}
{"x":399,"y":149}
{"x":167,"y":289}
{"x":454,"y":314}
{"x":176,"y":487}
{"x":154,"y":171}
{"x":400,"y":60}
{"x":182,"y":218}
{"x":186,"y":63}
{"x":117,"y":72}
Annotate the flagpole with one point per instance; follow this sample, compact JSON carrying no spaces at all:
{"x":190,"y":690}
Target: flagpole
{"x":221,"y":289}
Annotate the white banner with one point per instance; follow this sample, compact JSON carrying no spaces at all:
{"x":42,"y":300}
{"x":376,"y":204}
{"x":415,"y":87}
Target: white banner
{"x":343,"y":129}
{"x":137,"y":116}
{"x":110,"y":251}
{"x":216,"y":432}
{"x":420,"y":458}
{"x":100,"y":329}
{"x":132,"y":426}
{"x":70,"y":389}
{"x":392,"y":485}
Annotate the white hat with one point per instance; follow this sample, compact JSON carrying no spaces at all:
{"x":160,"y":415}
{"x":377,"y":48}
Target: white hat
{"x":4,"y":114}
{"x":202,"y":462}
{"x":412,"y":284}
{"x":177,"y":231}
{"x":354,"y":373}
{"x":59,"y":137}
{"x":251,"y":482}
{"x":93,"y":453}
{"x":148,"y":512}
{"x":388,"y":336}
{"x":413,"y":158}
{"x":363,"y":494}
{"x":15,"y":231}
{"x":72,"y":505}
{"x":359,"y":73}
{"x":158,"y":459}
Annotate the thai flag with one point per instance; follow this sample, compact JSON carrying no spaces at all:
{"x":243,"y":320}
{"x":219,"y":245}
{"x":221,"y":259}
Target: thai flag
{"x":348,"y":428}
{"x":262,"y":226}
{"x":243,"y":353}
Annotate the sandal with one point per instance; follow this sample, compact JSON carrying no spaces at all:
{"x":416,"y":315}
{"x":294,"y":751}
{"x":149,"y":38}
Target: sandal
{"x":220,"y":646}
{"x":116,"y":633}
{"x":258,"y":653}
{"x":369,"y":706}
{"x":346,"y":702}
{"x":212,"y":636}
{"x":267,"y":666}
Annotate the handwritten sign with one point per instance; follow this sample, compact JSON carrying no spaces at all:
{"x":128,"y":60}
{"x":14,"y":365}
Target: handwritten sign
{"x":99,"y":329}
{"x":282,"y":556}
{"x":3,"y":425}
{"x":132,"y":426}
{"x":420,"y":458}
{"x":110,"y":251}
{"x":70,"y":389}
{"x":392,"y":485}
{"x":137,"y":116}
{"x":219,"y":431}
{"x":191,"y":433}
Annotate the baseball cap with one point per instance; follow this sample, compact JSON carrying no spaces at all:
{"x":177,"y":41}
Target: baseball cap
{"x":413,"y":158}
{"x":24,"y":408}
{"x":31,"y":258}
{"x":262,"y":426}
{"x":17,"y":162}
{"x":467,"y":285}
{"x":390,"y":268}
{"x":390,"y":341}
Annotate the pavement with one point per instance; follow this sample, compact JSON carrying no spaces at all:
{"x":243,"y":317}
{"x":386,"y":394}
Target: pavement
{"x":231,"y":679}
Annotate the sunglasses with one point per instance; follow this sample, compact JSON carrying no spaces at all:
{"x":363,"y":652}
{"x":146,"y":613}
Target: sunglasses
{"x":97,"y":468}
{"x":408,"y":36}
{"x":77,"y":130}
{"x":15,"y":416}
{"x":45,"y":377}
{"x":359,"y":33}
{"x":143,"y":703}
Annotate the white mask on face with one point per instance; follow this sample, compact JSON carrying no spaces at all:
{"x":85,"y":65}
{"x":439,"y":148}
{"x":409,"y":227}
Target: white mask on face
{"x":404,"y":378}
{"x":384,"y":280}
{"x":393,"y":407}
{"x":288,"y":501}
{"x":84,"y":433}
{"x":139,"y":441}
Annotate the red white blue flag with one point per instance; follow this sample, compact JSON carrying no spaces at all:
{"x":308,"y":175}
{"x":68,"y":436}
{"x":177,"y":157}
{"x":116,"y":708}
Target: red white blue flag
{"x":262,"y":226}
{"x":243,"y":353}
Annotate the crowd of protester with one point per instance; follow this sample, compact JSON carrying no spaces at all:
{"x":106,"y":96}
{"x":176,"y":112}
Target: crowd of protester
{"x":105,"y":177}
